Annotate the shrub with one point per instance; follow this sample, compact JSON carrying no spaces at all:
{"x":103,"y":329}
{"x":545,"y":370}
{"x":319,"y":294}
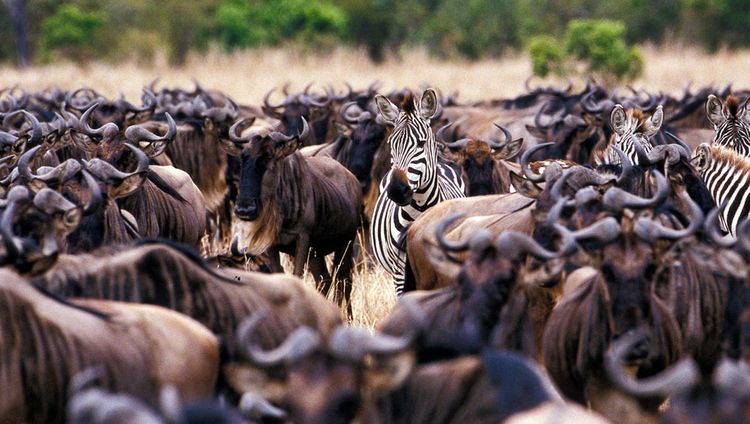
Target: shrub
{"x":589,"y":47}
{"x":70,"y":32}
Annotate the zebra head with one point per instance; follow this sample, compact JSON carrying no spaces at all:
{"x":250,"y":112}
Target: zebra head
{"x":413,"y":148}
{"x":631,"y":126}
{"x":730,"y":122}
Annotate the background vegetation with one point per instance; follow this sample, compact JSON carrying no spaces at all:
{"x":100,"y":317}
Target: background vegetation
{"x":117,"y":30}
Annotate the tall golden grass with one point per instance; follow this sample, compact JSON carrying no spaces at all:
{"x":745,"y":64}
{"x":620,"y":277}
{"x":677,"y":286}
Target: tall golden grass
{"x":248,"y":75}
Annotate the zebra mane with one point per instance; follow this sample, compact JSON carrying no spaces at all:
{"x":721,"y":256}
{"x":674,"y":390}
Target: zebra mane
{"x":638,"y":119}
{"x":728,"y":156}
{"x":732,"y":106}
{"x":408,"y":105}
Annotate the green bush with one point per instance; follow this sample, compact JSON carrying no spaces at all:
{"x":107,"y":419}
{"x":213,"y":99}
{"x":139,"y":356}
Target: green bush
{"x":70,"y":32}
{"x":595,"y":47}
{"x":247,"y":24}
{"x":546,"y":55}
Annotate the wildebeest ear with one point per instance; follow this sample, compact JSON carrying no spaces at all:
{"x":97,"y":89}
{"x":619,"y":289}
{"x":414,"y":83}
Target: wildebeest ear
{"x":536,"y":132}
{"x":343,"y":129}
{"x":126,"y":187}
{"x":428,"y":104}
{"x":714,"y":110}
{"x":230,"y":147}
{"x":655,"y":121}
{"x":510,"y":150}
{"x":283,"y":149}
{"x":388,"y":373}
{"x":618,"y":119}
{"x":386,"y":109}
{"x":525,"y":187}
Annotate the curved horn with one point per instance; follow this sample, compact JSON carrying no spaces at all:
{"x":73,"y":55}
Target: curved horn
{"x":107,"y":171}
{"x":354,"y":343}
{"x":236,"y":129}
{"x":514,"y":244}
{"x":107,"y":130}
{"x":13,"y":248}
{"x":617,"y":199}
{"x":650,"y":230}
{"x":344,"y":112}
{"x":136,"y":133}
{"x":605,"y":230}
{"x":525,"y":162}
{"x":298,"y":344}
{"x":626,"y":165}
{"x":682,"y":375}
{"x":279,"y":137}
{"x":498,"y":144}
{"x":269,"y":105}
{"x":259,"y":409}
{"x":711,"y":227}
{"x":96,"y":199}
{"x":449,"y":246}
{"x":23,"y":164}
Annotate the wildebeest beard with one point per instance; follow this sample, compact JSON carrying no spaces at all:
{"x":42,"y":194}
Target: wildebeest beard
{"x":283,"y":199}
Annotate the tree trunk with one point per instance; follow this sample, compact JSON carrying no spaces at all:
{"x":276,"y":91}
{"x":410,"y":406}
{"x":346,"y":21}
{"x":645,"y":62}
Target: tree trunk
{"x":17,"y":9}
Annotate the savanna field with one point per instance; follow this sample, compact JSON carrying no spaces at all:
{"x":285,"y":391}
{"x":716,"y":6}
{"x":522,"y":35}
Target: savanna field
{"x":248,"y":75}
{"x":598,"y":280}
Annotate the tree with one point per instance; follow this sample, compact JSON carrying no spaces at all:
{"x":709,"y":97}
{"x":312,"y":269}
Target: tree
{"x":17,"y":11}
{"x":589,"y":47}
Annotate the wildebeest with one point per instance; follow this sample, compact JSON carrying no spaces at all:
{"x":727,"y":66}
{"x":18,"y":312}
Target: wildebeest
{"x":46,"y":341}
{"x":307,"y":207}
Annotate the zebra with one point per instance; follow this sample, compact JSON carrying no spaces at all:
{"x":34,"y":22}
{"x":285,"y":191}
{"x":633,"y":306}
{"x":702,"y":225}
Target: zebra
{"x":726,"y":174}
{"x":730,"y":123}
{"x":631,"y":126}
{"x":415,"y":182}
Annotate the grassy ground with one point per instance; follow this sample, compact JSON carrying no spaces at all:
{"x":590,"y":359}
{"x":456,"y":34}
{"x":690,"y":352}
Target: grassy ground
{"x":247,"y":76}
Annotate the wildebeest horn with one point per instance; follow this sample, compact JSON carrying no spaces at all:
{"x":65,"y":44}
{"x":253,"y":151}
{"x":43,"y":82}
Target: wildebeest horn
{"x":354,"y":343}
{"x":626,"y":165}
{"x":617,"y":199}
{"x":106,"y":171}
{"x":711,"y":227}
{"x":584,"y":177}
{"x":682,"y":375}
{"x":234,"y":246}
{"x":236,"y":129}
{"x":36,"y":128}
{"x":344,"y":112}
{"x":449,"y":246}
{"x":23,"y":163}
{"x":514,"y":244}
{"x":95,"y":98}
{"x":651,"y":230}
{"x":278,"y":136}
{"x":525,"y":162}
{"x":589,"y":105}
{"x":13,"y":246}
{"x":221,"y":114}
{"x":677,"y":140}
{"x":108,"y":130}
{"x":440,"y":137}
{"x":499,"y":144}
{"x":96,"y":199}
{"x":732,"y":376}
{"x":605,"y":230}
{"x":268,"y":105}
{"x":299,"y":343}
{"x":743,"y":234}
{"x":136,"y":133}
{"x":256,"y":408}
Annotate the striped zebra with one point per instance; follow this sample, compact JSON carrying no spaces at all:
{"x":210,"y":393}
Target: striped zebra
{"x":416,"y":181}
{"x":631,"y":126}
{"x":726,"y":174}
{"x":731,"y":124}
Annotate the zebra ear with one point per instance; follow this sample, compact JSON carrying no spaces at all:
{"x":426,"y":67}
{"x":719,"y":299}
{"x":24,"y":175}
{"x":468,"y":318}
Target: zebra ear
{"x":714,"y":110}
{"x":618,"y":119}
{"x":386,"y":109}
{"x":428,"y":105}
{"x":655,"y":121}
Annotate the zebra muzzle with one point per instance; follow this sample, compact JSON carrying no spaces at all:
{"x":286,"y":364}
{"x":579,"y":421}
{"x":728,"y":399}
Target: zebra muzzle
{"x":399,"y":190}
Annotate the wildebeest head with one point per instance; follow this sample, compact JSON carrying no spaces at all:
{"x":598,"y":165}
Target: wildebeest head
{"x":302,"y":106}
{"x":413,"y":147}
{"x":481,"y":160}
{"x":260,"y":156}
{"x":329,"y":381}
{"x":367,"y":135}
{"x":34,"y":225}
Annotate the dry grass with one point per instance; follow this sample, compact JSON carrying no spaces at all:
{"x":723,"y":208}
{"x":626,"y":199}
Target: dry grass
{"x":247,"y":76}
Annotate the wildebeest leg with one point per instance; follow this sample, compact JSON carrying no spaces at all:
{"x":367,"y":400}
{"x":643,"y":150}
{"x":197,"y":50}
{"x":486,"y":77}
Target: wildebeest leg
{"x":300,"y":254}
{"x":275,"y":259}
{"x":344,"y":259}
